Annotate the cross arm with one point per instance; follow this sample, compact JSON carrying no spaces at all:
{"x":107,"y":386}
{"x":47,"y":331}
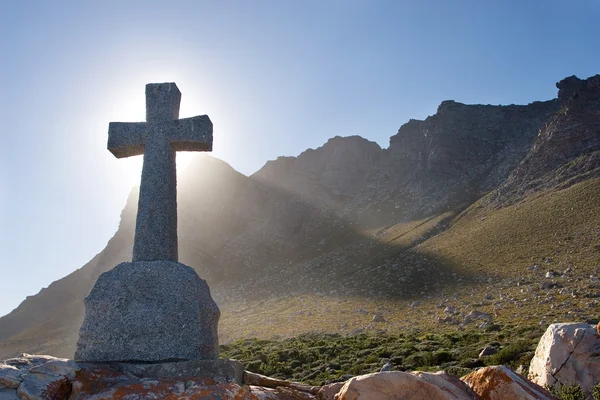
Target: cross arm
{"x":126,"y":139}
{"x":192,"y":134}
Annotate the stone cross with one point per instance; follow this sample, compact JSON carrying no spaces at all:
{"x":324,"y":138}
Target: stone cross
{"x":158,"y":139}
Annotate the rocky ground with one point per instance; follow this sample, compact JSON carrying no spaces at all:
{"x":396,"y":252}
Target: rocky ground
{"x":566,"y":357}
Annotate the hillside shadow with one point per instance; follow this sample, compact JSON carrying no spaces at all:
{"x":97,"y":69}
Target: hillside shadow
{"x":310,"y":250}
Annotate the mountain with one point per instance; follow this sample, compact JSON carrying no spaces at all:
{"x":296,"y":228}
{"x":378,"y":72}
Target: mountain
{"x":471,"y":208}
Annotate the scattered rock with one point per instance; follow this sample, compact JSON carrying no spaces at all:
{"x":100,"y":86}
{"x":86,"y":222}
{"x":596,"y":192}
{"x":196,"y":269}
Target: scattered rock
{"x":386,"y":367}
{"x":475,"y":315}
{"x":451,"y":310}
{"x":487,"y":351}
{"x":550,"y":285}
{"x":378,"y":318}
{"x":356,"y":331}
{"x":501,"y":383}
{"x":567,"y":353}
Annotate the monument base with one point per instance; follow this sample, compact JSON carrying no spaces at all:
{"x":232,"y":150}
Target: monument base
{"x":149,"y":311}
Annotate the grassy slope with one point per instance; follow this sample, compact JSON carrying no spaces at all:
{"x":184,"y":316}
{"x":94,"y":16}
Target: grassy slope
{"x":562,"y":225}
{"x":496,"y":244}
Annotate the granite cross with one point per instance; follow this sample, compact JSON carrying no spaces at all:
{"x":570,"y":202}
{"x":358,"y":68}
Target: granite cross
{"x":158,"y":139}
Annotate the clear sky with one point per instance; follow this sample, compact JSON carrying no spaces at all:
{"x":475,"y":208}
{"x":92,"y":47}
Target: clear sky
{"x":276,"y":77}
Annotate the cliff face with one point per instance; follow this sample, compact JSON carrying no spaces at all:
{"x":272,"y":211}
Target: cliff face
{"x":567,"y":148}
{"x":306,"y":223}
{"x":447,"y":160}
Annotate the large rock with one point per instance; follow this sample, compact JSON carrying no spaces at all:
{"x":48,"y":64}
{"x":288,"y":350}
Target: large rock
{"x":149,"y":311}
{"x":501,"y":383}
{"x":567,"y":353}
{"x":396,"y":385}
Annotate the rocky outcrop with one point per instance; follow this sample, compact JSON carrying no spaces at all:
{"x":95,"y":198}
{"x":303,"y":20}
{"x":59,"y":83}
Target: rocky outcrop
{"x":567,"y":353}
{"x":567,"y":148}
{"x":500,"y":382}
{"x":460,"y":153}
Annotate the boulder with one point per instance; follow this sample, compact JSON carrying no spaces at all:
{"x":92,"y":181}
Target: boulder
{"x":567,"y":353}
{"x":405,"y":386}
{"x":501,"y":383}
{"x":149,"y":311}
{"x":488,"y":351}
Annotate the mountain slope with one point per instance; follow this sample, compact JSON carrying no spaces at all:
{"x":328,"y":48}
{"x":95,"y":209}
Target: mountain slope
{"x":324,"y":240}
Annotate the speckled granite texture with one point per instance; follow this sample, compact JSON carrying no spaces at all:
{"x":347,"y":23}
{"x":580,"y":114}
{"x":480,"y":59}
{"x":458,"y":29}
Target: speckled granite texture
{"x":149,"y":311}
{"x":158,"y":139}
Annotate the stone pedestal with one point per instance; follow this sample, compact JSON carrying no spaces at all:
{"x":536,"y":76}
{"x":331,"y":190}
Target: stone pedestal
{"x":149,"y":311}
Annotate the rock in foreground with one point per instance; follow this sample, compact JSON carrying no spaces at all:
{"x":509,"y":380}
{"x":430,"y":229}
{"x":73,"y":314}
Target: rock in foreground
{"x":499,"y":382}
{"x":406,"y":386}
{"x":567,"y":353}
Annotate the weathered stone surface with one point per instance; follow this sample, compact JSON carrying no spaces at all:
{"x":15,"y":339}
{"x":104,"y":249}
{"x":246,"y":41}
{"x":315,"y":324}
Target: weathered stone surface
{"x":19,"y":362}
{"x":10,"y":376}
{"x":42,"y":386}
{"x":96,"y":378}
{"x":149,"y":311}
{"x":328,"y":392}
{"x":501,"y":383}
{"x":57,"y":367}
{"x":396,"y":385}
{"x":169,"y":388}
{"x":8,"y":394}
{"x":220,"y":371}
{"x":251,"y":378}
{"x":566,"y":353}
{"x":158,"y":139}
{"x":278,"y":393}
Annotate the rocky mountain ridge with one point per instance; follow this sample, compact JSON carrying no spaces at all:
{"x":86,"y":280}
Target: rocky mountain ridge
{"x":347,"y":220}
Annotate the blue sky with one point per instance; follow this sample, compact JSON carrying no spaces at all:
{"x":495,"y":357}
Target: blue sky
{"x":276,"y":77}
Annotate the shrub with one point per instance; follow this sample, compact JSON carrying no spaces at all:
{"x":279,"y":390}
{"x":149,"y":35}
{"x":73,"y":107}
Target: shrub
{"x":568,"y":392}
{"x":441,"y":357}
{"x":511,"y":353}
{"x":596,"y":392}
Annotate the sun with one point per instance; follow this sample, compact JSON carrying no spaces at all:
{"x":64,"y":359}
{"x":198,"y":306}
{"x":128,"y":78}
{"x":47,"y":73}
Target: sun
{"x":183,"y":159}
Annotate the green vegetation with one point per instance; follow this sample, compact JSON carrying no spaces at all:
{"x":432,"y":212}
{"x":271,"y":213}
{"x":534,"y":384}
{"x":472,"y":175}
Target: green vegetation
{"x":320,"y":358}
{"x":574,"y":392}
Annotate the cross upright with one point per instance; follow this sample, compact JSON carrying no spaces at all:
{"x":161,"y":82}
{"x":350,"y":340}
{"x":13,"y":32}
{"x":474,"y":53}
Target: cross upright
{"x":158,"y":139}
